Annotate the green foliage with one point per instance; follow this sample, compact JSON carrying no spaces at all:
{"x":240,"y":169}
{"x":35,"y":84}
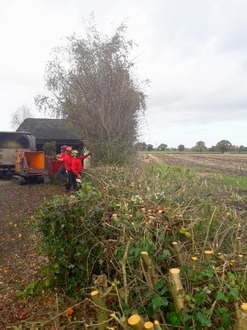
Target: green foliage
{"x":50,"y":148}
{"x":223,"y":314}
{"x":202,"y":319}
{"x":239,"y":182}
{"x":122,"y":213}
{"x":223,"y":146}
{"x":68,"y":239}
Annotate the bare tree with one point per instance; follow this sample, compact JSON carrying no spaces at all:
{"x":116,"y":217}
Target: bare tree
{"x":91,"y":84}
{"x":19,"y":115}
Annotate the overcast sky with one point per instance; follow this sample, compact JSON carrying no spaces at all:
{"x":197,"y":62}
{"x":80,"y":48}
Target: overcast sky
{"x":193,"y":51}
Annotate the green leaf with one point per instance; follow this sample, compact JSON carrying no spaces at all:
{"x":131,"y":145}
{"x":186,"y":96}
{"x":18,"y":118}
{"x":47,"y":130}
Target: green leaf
{"x":231,"y":276}
{"x":209,"y":272}
{"x":163,"y":291}
{"x":221,"y":296}
{"x":234,"y":294}
{"x":20,"y":294}
{"x":159,"y":284}
{"x":165,"y":254}
{"x":158,"y":301}
{"x":223,"y":315}
{"x":173,"y":319}
{"x":201,"y":317}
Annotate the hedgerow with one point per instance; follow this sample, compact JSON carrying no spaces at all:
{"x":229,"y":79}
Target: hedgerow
{"x":118,"y":238}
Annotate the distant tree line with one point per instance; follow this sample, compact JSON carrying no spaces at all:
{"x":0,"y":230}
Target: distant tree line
{"x":200,"y":146}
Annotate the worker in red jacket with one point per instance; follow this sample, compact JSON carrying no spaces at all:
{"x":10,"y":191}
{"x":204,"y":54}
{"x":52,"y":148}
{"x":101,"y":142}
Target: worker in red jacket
{"x":67,"y":164}
{"x":61,"y":173}
{"x":77,"y":167}
{"x":68,"y":159}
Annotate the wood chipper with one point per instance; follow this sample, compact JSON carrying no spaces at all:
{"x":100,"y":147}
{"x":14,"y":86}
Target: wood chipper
{"x":20,"y":160}
{"x":31,"y":166}
{"x":10,"y":144}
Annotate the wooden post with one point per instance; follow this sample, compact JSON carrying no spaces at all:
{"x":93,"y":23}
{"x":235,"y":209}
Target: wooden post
{"x":123,"y":262}
{"x":150,"y":268}
{"x":157,"y":325}
{"x":240,"y":258}
{"x":135,"y":322}
{"x":177,"y":249}
{"x":148,"y":326}
{"x":102,"y":312}
{"x":241,"y":323}
{"x":238,"y":245}
{"x":194,"y":260}
{"x":177,"y":289}
{"x":208,"y":254}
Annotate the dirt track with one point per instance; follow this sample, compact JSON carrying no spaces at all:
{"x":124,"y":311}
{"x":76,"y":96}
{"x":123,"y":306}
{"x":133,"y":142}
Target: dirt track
{"x":19,"y":262}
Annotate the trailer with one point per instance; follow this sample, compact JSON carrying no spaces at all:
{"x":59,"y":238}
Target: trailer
{"x":19,"y":159}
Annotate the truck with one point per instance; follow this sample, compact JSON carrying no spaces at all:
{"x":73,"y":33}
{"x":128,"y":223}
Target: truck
{"x":20,"y":160}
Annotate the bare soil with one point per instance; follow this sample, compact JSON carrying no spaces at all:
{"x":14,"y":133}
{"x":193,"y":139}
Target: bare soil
{"x":220,"y":164}
{"x":19,"y":262}
{"x":217,"y":163}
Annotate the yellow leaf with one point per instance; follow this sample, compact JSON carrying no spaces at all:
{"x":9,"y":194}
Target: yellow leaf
{"x":19,"y":235}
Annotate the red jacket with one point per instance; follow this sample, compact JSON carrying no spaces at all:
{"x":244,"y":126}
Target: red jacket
{"x":77,"y":164}
{"x":62,"y":156}
{"x":67,"y":162}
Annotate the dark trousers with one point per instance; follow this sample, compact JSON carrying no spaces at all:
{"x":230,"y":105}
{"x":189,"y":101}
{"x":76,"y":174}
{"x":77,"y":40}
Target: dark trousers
{"x":61,"y":173}
{"x":71,"y":181}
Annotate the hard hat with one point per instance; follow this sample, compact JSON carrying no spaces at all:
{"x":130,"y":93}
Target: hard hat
{"x":69,"y":149}
{"x":75,"y":152}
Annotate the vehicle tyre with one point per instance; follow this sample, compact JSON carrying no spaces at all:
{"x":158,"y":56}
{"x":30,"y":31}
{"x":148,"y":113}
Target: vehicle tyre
{"x":40,"y":179}
{"x":17,"y":179}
